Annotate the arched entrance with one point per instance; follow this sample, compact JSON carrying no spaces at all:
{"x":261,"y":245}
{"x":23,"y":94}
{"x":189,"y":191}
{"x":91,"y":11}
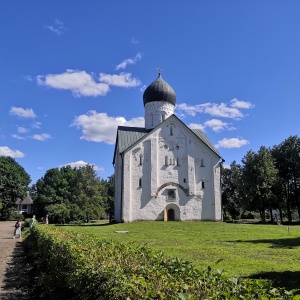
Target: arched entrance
{"x":171,"y":214}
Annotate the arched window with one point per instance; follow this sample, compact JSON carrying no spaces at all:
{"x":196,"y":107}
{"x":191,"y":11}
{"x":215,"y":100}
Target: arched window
{"x":140,"y":182}
{"x":141,"y":159}
{"x":171,"y":129}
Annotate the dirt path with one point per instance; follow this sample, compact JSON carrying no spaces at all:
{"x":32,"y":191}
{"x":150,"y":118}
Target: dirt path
{"x":14,"y":282}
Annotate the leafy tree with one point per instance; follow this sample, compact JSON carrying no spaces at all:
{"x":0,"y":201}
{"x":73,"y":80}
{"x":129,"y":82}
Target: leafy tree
{"x":287,"y":161}
{"x":258,"y":178}
{"x":230,"y":190}
{"x":14,"y":182}
{"x":109,"y":196}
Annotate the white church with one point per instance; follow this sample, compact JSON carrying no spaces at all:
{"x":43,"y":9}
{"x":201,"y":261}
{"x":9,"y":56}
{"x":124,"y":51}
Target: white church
{"x":165,"y":171}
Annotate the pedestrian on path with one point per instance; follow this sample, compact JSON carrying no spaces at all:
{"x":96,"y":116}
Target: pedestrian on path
{"x":31,"y":222}
{"x":18,"y":229}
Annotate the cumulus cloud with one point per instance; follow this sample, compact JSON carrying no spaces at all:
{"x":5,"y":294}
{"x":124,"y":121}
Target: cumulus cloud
{"x":81,"y":163}
{"x":120,"y":80}
{"x":99,"y":127}
{"x":231,"y":110}
{"x":6,"y":151}
{"x":41,"y":137}
{"x":240,"y":104}
{"x":218,"y":125}
{"x":196,"y":126}
{"x":80,"y":83}
{"x":21,"y":112}
{"x":129,"y":61}
{"x":57,"y":27}
{"x":231,"y":143}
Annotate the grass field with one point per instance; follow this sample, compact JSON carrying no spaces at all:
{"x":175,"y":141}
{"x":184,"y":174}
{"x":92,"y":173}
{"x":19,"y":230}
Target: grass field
{"x":246,"y":250}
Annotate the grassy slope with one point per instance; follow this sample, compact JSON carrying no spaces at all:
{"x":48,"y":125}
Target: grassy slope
{"x":245,"y":250}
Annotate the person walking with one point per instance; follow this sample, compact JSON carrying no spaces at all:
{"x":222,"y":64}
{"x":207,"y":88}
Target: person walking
{"x":31,"y":222}
{"x":18,"y":229}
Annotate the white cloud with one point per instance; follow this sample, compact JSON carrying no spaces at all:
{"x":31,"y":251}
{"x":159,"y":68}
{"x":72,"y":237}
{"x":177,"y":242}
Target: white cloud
{"x":79,"y":83}
{"x":196,"y":126}
{"x":129,"y":61}
{"x":18,"y":137}
{"x":81,"y":163}
{"x":22,"y":130}
{"x":240,"y":104}
{"x":41,"y":137}
{"x":231,"y":111}
{"x":5,"y":151}
{"x":231,"y":143}
{"x":217,"y":125}
{"x":99,"y":127}
{"x":57,"y":27}
{"x":36,"y":125}
{"x":21,"y":112}
{"x":121,"y":80}
{"x":28,"y":78}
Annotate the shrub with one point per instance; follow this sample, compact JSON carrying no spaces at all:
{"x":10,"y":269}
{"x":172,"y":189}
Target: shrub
{"x":75,"y":266}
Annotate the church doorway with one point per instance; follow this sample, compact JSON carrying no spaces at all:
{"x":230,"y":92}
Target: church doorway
{"x":171,"y":214}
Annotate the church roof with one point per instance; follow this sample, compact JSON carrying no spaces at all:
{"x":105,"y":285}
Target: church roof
{"x":127,"y":136}
{"x":159,"y":90}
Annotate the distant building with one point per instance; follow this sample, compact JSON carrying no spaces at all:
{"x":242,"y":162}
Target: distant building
{"x":25,"y":205}
{"x":165,"y":171}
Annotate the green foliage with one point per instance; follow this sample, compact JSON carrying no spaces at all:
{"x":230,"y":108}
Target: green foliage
{"x":13,"y":184}
{"x":70,"y":195}
{"x":75,"y":266}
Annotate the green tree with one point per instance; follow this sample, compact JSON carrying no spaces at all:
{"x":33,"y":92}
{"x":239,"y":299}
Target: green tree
{"x":258,"y":178}
{"x":287,"y":161}
{"x":14,"y":182}
{"x":230,"y":190}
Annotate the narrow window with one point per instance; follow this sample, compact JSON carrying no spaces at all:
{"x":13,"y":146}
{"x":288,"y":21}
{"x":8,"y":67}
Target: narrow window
{"x":173,"y":161}
{"x":140,"y":182}
{"x":141,"y":159}
{"x":166,"y":160}
{"x":202,"y":162}
{"x":163,"y":117}
{"x":203,"y":184}
{"x":178,"y":161}
{"x":171,"y":130}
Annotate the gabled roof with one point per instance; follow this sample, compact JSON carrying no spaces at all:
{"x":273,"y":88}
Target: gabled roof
{"x":27,"y":200}
{"x":128,"y":136}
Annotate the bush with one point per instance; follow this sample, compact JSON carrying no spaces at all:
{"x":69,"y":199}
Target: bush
{"x":75,"y":266}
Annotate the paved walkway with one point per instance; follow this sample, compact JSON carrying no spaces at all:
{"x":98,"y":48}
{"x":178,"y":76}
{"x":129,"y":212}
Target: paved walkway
{"x":14,"y":282}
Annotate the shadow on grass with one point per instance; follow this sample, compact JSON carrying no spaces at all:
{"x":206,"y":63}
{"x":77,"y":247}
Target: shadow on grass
{"x":18,"y":277}
{"x":288,"y":243}
{"x":87,"y":224}
{"x":287,"y":279}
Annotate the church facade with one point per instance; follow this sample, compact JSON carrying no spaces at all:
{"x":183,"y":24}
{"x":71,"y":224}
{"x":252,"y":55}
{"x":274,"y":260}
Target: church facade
{"x":165,"y":171}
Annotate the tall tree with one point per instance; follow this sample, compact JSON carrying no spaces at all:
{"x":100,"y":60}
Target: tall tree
{"x":258,"y":178}
{"x":230,"y":190}
{"x":287,"y":160}
{"x":14,"y":181}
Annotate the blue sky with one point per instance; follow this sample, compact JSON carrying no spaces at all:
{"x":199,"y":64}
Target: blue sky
{"x":71,"y":71}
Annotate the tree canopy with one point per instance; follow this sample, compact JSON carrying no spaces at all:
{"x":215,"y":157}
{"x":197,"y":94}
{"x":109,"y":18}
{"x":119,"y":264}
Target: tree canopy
{"x":14,"y":182}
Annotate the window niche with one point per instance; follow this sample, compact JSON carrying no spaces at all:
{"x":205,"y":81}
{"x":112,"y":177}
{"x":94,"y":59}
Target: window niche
{"x":171,"y":194}
{"x":140,"y":182}
{"x":201,"y":162}
{"x":141,"y":159}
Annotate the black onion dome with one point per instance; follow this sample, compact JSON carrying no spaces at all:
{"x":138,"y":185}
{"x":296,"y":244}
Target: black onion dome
{"x":159,"y":90}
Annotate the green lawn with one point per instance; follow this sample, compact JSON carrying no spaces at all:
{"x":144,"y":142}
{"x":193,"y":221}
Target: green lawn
{"x":247,"y":250}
